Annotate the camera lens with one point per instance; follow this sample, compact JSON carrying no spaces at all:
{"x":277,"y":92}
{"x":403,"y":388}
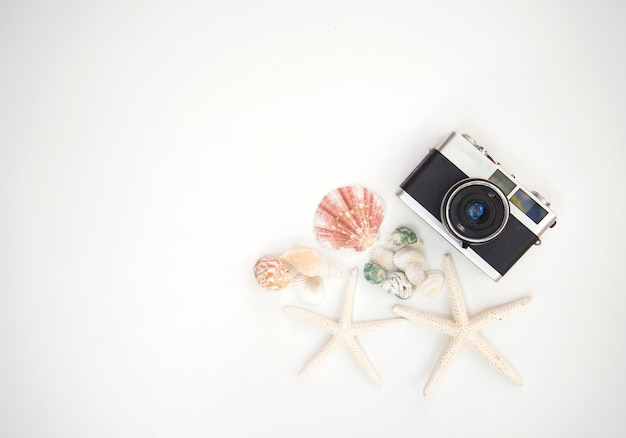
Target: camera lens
{"x":475,"y":211}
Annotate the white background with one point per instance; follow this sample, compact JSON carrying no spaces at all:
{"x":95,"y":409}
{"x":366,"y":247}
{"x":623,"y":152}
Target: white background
{"x":151,"y":151}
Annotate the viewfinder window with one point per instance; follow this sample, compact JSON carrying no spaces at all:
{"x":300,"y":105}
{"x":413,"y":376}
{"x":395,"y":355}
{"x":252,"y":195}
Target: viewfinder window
{"x":502,"y":181}
{"x":529,"y":206}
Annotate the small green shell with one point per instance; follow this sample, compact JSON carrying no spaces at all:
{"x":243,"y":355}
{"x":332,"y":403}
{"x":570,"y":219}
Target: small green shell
{"x":403,"y":236}
{"x":374,"y":273}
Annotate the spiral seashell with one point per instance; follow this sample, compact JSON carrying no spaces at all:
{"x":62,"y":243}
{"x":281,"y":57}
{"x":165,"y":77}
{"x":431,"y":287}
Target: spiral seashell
{"x":383,"y":257}
{"x":309,"y":289}
{"x":396,"y":283}
{"x":373,"y":273}
{"x":403,"y":236}
{"x":407,"y":255}
{"x":271,"y":274}
{"x":309,"y":262}
{"x":415,"y":274}
{"x":349,"y":217}
{"x":433,"y":284}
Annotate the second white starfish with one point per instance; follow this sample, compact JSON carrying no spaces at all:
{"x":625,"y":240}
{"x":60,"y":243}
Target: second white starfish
{"x":464,"y":330}
{"x":344,"y":332}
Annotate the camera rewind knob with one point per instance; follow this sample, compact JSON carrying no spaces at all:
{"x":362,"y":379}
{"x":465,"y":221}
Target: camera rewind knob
{"x":480,"y":148}
{"x":541,"y":198}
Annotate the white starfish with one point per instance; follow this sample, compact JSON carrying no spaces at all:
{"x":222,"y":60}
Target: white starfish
{"x":464,"y":330}
{"x":344,"y":331}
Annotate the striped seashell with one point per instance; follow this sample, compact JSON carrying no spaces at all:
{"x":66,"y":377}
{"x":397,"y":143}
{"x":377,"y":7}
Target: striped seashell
{"x":271,"y":274}
{"x":433,"y":284}
{"x":309,"y":262}
{"x":309,"y":289}
{"x":415,"y":273}
{"x":349,"y":217}
{"x":383,"y":257}
{"x":407,"y":255}
{"x":373,"y":273}
{"x":397,"y":284}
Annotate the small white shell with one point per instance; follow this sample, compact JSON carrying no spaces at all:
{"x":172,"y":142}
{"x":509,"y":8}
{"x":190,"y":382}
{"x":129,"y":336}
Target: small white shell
{"x":326,"y":269}
{"x":415,"y":273}
{"x":433,"y":284}
{"x":309,"y":289}
{"x":383,"y":257}
{"x":407,"y":255}
{"x":397,"y":284}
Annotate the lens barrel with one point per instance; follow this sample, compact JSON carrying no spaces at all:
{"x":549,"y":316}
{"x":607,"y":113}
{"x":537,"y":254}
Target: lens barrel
{"x":475,"y":210}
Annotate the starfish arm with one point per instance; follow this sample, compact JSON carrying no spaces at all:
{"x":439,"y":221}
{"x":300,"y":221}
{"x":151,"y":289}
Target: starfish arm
{"x":362,"y":360}
{"x":372,"y":326}
{"x":498,"y":313}
{"x":484,"y":350}
{"x":345,"y":318}
{"x":455,"y":294}
{"x":321,"y":354}
{"x":326,"y":324}
{"x":446,"y":358}
{"x":434,"y":322}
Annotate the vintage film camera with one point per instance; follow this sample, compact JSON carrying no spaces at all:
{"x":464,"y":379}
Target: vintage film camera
{"x":476,"y":205}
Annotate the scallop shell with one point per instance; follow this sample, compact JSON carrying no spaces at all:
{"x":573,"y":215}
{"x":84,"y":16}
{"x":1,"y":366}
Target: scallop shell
{"x":373,"y":273}
{"x":415,"y":273}
{"x":383,"y":257}
{"x":396,"y":283}
{"x":308,"y":289}
{"x":407,"y":255}
{"x":403,"y":236}
{"x":271,"y":274}
{"x":433,"y":284}
{"x":349,"y":217}
{"x":309,"y":262}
